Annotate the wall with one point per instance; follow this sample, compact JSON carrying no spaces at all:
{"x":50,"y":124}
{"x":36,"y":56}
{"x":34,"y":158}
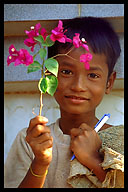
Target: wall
{"x":21,"y":91}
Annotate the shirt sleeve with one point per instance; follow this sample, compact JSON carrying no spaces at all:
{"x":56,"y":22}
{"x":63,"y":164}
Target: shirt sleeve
{"x":114,"y":162}
{"x":81,"y":177}
{"x":18,"y":161}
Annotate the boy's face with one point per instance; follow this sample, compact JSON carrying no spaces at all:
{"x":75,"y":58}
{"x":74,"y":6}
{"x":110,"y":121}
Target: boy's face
{"x":80,"y":90}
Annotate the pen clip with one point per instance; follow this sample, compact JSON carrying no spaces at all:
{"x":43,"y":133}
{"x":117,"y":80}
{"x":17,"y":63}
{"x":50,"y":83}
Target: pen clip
{"x":101,"y":119}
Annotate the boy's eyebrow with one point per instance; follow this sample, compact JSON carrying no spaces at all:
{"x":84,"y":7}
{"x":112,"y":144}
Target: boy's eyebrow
{"x":91,"y":68}
{"x":95,"y":68}
{"x":67,"y":63}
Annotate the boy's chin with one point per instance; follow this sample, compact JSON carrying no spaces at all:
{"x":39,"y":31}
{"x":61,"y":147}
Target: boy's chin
{"x":74,"y":111}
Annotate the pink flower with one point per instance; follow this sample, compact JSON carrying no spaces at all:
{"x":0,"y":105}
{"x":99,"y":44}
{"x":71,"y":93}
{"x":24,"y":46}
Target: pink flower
{"x":85,"y":58}
{"x":31,"y":42}
{"x":77,"y":42}
{"x":25,"y":57}
{"x":19,"y":57}
{"x":44,"y":33}
{"x":34,"y":31}
{"x":12,"y":50}
{"x":13,"y":55}
{"x":58,"y":34}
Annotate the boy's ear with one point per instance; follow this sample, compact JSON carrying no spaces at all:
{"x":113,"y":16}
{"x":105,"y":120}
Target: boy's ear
{"x":110,"y":82}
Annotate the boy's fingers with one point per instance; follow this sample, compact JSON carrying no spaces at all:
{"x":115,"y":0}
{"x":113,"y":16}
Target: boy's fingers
{"x":39,"y":140}
{"x":45,"y":137}
{"x":36,"y":120}
{"x":75,"y":132}
{"x":85,"y":127}
{"x":38,"y":130}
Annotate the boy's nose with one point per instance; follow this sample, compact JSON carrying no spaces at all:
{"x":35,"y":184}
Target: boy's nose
{"x":79,"y":84}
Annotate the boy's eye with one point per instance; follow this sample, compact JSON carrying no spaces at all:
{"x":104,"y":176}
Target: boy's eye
{"x":93,"y":75}
{"x":66,"y":72}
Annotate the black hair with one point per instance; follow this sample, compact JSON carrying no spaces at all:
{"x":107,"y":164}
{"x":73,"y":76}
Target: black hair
{"x":99,"y":35}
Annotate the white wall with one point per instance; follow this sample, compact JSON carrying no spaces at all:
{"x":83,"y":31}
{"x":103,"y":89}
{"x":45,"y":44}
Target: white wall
{"x":18,"y":112}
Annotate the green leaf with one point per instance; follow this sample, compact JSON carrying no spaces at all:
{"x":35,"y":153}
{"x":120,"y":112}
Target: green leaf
{"x":39,"y":39}
{"x":52,"y":84}
{"x":48,"y":41}
{"x":43,"y":53}
{"x":35,"y":66}
{"x":52,"y":66}
{"x":42,"y":85}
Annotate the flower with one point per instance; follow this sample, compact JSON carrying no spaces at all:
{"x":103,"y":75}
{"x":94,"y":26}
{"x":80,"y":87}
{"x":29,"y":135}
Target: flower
{"x":19,"y":57}
{"x":58,"y":34}
{"x":12,"y":50}
{"x":77,"y":42}
{"x":85,"y":58}
{"x":44,"y":33}
{"x":13,"y":55}
{"x":34,"y":31}
{"x":49,"y":83}
{"x":25,"y":57}
{"x":31,"y":42}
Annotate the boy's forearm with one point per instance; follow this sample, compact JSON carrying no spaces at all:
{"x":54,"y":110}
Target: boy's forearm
{"x":94,"y":165}
{"x":31,"y":181}
{"x":98,"y":170}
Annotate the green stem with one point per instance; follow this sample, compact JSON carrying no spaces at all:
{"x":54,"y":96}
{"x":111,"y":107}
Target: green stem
{"x":41,"y":94}
{"x":65,"y":54}
{"x":61,"y":54}
{"x":35,"y":55}
{"x":70,"y":50}
{"x":41,"y":103}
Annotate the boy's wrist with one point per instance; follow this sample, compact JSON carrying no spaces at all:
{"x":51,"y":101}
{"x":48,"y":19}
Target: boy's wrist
{"x":88,"y":160}
{"x":94,"y":161}
{"x":94,"y":164}
{"x":38,"y":167}
{"x":98,"y":170}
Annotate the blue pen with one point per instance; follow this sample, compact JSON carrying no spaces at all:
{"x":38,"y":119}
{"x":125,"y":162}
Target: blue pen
{"x":98,"y":126}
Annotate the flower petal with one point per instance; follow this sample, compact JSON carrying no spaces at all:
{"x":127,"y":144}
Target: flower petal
{"x":37,"y":26}
{"x":12,"y":50}
{"x":61,"y":40}
{"x":85,"y":47}
{"x":52,"y":37}
{"x":83,"y":58}
{"x":30,"y":43}
{"x":17,"y":62}
{"x":58,"y":34}
{"x":10,"y":59}
{"x":25,"y":57}
{"x":76,"y":40}
{"x":32,"y":48}
{"x":86,"y":65}
{"x":68,"y":40}
{"x":44,"y":33}
{"x":60,"y":25}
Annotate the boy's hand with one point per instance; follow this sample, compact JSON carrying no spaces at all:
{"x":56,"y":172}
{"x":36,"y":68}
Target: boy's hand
{"x":85,"y":144}
{"x":39,"y":138}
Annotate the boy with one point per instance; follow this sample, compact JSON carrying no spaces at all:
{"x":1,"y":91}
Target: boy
{"x":41,"y":149}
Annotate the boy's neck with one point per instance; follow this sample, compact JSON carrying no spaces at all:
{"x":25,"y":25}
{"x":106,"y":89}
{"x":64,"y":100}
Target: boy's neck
{"x":69,"y":121}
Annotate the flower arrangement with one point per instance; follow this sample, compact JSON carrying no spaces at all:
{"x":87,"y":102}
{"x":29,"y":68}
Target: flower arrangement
{"x":49,"y":67}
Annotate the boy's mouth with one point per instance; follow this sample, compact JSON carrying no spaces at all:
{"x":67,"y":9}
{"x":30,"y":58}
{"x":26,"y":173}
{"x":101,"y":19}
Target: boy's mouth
{"x":76,"y":99}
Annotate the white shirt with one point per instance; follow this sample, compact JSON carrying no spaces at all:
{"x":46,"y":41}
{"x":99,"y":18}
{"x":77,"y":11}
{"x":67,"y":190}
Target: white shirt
{"x":20,"y":157}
